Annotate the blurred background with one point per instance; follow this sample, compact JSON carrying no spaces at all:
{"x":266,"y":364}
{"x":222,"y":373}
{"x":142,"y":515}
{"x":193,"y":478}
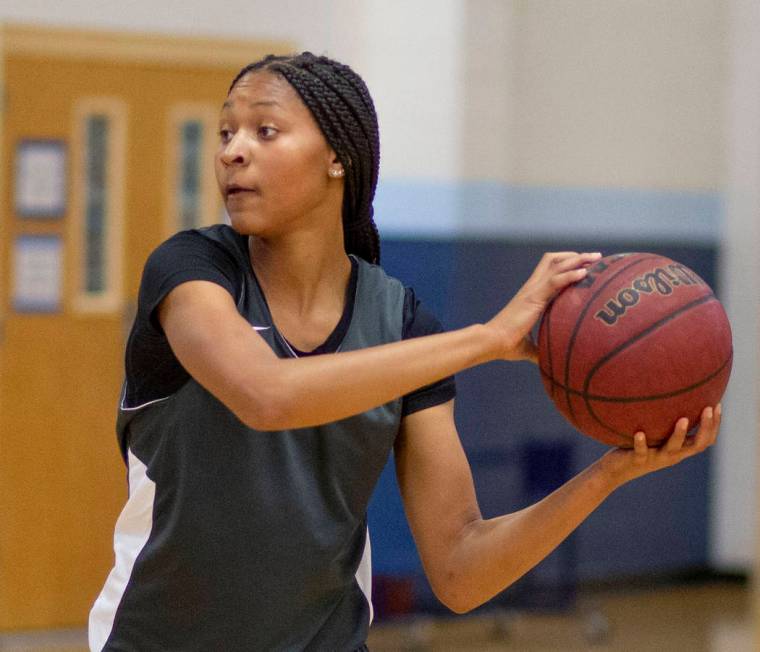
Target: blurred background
{"x":508,"y":127}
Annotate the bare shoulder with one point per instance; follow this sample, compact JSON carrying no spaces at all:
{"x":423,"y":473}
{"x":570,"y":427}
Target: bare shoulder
{"x":202,"y":300}
{"x":218,"y":347}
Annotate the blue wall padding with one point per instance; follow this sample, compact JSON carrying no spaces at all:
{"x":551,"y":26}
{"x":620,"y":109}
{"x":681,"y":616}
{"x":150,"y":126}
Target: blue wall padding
{"x":658,"y":524}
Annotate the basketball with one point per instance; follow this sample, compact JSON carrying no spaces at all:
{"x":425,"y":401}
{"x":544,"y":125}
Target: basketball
{"x":637,"y":344}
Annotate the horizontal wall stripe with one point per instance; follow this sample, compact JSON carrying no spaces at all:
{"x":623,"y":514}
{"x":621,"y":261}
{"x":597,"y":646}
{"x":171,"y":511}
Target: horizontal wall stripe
{"x":489,"y":209}
{"x":417,"y":208}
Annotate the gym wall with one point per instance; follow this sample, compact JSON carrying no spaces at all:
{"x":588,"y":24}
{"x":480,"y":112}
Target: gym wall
{"x":510,"y":128}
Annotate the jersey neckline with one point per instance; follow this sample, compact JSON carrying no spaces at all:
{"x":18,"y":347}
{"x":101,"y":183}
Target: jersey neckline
{"x":336,"y":337}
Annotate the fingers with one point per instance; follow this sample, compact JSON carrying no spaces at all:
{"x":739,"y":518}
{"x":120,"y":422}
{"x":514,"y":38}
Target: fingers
{"x":640,"y":447}
{"x":709,"y":425}
{"x":676,"y":440}
{"x":707,"y":434}
{"x":559,"y":269}
{"x":562,"y":261}
{"x":717,"y":417}
{"x":643,"y":460}
{"x":559,"y":281}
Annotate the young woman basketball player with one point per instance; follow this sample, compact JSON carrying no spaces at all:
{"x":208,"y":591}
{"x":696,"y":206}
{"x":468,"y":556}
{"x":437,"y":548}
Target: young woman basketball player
{"x":251,"y":459}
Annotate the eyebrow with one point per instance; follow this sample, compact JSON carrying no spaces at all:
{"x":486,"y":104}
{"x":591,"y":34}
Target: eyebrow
{"x":227,"y":104}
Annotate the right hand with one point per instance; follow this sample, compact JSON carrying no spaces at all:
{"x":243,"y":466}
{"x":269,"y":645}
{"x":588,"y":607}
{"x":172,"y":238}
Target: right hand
{"x":513,"y":324}
{"x":625,"y":464}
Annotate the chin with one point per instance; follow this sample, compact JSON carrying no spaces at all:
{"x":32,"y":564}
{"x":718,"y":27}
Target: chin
{"x":247,"y":224}
{"x":243,"y":224}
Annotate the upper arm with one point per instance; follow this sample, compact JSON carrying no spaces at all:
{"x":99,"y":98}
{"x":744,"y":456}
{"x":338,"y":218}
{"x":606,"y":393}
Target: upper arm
{"x":187,"y":301}
{"x":436,"y":486}
{"x":419,"y":322}
{"x":219,"y":349}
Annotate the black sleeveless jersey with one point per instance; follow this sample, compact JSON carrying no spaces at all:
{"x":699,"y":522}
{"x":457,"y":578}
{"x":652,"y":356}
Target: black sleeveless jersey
{"x":235,"y":539}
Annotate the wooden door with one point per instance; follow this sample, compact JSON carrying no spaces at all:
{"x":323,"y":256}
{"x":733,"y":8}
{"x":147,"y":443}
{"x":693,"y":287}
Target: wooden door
{"x":116,"y":116}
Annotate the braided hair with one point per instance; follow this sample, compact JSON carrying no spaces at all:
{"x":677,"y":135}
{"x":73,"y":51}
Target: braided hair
{"x":342,"y":107}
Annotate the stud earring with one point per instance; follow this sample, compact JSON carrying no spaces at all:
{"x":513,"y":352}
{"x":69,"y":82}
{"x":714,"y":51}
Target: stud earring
{"x":336,"y":173}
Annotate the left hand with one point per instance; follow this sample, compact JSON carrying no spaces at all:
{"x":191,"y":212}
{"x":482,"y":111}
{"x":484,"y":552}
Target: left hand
{"x":624,"y":465}
{"x":513,"y":323}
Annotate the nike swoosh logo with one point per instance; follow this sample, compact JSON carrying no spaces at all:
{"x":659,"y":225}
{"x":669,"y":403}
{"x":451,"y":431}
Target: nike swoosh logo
{"x":261,"y":328}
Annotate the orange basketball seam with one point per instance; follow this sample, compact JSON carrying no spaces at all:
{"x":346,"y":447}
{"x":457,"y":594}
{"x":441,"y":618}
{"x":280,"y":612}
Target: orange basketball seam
{"x":582,"y":316}
{"x":642,"y":334}
{"x":650,"y":329}
{"x":601,"y":398}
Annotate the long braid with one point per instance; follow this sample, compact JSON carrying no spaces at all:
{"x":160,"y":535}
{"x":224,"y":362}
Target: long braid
{"x":342,"y":107}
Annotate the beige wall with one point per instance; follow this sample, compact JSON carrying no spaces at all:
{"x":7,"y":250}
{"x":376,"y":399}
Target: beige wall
{"x":621,"y":93}
{"x":596,"y":93}
{"x":736,"y":501}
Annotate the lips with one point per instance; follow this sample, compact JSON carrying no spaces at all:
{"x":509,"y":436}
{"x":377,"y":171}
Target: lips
{"x":233,"y":190}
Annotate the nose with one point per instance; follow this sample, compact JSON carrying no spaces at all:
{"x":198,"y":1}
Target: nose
{"x":235,"y":151}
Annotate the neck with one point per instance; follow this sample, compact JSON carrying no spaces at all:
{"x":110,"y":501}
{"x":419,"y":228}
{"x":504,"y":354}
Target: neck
{"x":302,"y":269}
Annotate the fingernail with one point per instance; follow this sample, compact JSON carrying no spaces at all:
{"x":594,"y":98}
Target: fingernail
{"x":718,"y":410}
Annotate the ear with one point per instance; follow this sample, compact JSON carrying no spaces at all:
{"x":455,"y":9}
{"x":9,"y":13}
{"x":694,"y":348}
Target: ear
{"x":335,"y":169}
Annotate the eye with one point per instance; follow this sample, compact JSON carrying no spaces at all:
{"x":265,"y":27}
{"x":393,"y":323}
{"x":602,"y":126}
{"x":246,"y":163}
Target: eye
{"x":225,"y":135}
{"x":267,"y":132}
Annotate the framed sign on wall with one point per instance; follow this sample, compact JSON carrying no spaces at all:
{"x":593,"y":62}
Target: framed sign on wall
{"x":40,"y":180}
{"x":37,"y":272}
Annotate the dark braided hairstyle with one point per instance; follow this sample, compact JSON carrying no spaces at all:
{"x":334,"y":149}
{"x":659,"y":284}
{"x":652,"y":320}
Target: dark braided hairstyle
{"x":342,"y":107}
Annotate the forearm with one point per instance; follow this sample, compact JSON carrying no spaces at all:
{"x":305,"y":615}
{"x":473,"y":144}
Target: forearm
{"x":325,"y":388}
{"x":221,"y":352}
{"x":491,"y":554}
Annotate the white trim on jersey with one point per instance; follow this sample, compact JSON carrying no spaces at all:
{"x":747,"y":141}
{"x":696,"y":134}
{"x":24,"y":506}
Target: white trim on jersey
{"x":140,"y":407}
{"x":133,"y":528}
{"x":364,"y":576}
{"x":124,"y":408}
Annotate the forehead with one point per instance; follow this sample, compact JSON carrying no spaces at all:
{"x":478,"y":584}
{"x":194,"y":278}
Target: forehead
{"x":265,"y":89}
